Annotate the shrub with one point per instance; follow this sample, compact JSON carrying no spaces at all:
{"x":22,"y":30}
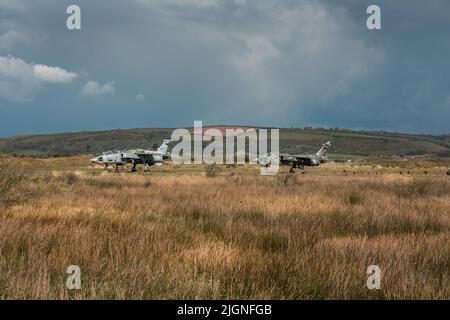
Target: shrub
{"x":10,"y":177}
{"x":288,"y":179}
{"x":147,"y":184}
{"x":211,"y":170}
{"x":71,"y":178}
{"x":420,"y":188}
{"x":354,"y":197}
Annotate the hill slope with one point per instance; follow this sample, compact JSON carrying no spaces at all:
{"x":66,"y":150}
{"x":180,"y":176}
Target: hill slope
{"x":345,"y":142}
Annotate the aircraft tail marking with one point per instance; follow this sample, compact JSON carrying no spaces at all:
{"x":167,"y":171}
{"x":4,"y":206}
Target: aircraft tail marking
{"x":323,"y":151}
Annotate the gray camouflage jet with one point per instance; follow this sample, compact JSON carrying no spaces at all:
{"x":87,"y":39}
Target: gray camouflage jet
{"x":297,"y":160}
{"x":135,"y":157}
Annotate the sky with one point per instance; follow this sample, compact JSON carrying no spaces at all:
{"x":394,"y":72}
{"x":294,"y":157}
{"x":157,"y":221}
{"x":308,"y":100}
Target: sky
{"x":166,"y":63}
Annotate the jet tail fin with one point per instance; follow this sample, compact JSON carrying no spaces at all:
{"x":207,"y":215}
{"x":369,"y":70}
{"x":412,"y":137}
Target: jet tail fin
{"x":323,"y":151}
{"x":163,"y":148}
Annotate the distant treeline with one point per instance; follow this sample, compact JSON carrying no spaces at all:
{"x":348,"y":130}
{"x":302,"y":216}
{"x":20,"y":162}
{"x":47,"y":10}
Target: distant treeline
{"x":292,"y":140}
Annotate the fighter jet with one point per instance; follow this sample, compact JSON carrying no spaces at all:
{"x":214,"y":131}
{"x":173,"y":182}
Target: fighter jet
{"x":298,"y":161}
{"x":135,"y":157}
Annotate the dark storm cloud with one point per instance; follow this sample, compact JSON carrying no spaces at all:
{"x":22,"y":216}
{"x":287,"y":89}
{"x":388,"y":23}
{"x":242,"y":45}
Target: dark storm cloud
{"x":264,"y":62}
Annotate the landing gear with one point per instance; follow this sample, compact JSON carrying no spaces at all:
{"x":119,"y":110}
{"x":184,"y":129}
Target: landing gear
{"x":300,"y":165}
{"x":302,"y":168}
{"x":133,"y":168}
{"x":146,"y":167}
{"x":292,"y":170}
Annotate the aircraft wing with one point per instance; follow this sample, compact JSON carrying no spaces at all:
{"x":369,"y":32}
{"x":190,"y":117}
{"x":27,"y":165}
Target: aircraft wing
{"x":307,"y":160}
{"x":302,"y":157}
{"x":145,"y":156}
{"x":295,"y":157}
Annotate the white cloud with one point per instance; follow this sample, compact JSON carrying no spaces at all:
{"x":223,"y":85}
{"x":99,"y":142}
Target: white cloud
{"x":20,"y":81}
{"x":53,"y":74}
{"x":17,"y":81}
{"x":93,"y":88}
{"x":11,"y":39}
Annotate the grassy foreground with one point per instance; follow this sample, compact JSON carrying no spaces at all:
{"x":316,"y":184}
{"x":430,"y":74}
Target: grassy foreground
{"x":190,"y":236}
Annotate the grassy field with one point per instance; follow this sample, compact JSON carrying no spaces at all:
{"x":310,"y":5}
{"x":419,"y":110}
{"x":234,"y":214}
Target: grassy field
{"x":178,"y":233}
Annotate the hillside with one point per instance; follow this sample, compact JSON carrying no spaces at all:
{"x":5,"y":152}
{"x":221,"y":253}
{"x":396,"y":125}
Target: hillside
{"x":305,"y":140}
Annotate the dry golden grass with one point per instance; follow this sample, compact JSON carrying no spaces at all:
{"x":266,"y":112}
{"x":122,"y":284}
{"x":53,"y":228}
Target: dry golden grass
{"x":167,"y":236}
